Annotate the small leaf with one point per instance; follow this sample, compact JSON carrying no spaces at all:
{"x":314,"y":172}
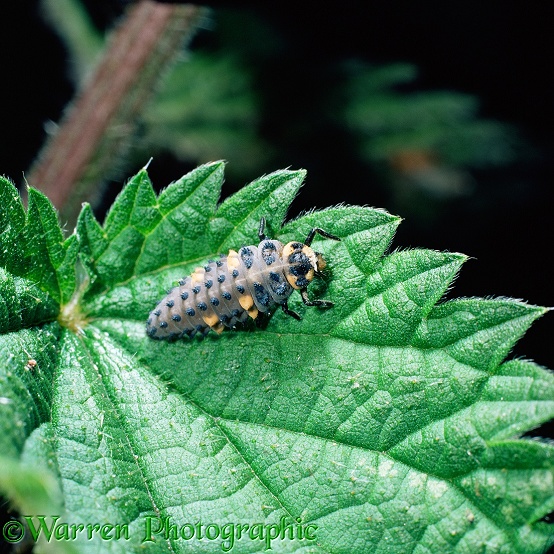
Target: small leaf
{"x":23,"y":304}
{"x":33,"y":246}
{"x":12,"y":225}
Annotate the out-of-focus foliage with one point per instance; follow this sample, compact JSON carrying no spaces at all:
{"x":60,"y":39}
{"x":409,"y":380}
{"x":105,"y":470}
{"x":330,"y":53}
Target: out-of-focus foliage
{"x":423,"y":142}
{"x":207,"y":110}
{"x":390,"y":122}
{"x":82,"y":39}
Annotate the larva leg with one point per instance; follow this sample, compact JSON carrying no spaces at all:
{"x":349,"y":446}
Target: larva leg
{"x":320,"y":303}
{"x":262,"y":320}
{"x":285,"y":308}
{"x":321,"y":232}
{"x":261,"y":234}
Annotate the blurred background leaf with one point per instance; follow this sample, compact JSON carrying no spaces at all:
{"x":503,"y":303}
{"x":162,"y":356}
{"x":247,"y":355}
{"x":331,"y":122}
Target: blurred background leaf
{"x":423,"y":144}
{"x":207,"y":110}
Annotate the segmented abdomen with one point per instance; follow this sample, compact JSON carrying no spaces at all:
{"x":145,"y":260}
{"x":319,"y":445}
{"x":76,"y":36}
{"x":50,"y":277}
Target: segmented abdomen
{"x":223,"y":293}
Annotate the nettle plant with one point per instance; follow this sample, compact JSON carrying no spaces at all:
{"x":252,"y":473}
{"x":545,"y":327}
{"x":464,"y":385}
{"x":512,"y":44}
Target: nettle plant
{"x":387,"y":423}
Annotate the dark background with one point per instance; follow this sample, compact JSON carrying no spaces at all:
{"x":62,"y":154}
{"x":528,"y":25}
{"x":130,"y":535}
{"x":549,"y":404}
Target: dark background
{"x":498,"y":51}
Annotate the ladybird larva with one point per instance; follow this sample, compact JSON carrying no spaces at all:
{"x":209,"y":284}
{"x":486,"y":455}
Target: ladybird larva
{"x":239,"y":285}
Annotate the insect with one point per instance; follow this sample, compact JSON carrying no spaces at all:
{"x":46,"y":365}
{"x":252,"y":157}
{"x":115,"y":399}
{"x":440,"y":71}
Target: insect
{"x":239,"y":285}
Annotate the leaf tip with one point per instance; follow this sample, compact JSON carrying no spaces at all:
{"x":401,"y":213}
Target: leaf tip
{"x":540,"y":310}
{"x":216,"y":163}
{"x":6,"y":181}
{"x":461,"y":257}
{"x":456,"y":258}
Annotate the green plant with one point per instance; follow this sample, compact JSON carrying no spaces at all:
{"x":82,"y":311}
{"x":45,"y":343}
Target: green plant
{"x":446,"y":123}
{"x":390,"y":423}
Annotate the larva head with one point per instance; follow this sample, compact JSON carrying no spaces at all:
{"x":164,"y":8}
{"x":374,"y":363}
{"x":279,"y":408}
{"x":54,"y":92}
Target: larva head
{"x":302,"y":263}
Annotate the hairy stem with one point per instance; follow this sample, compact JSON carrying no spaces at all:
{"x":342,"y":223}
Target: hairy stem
{"x":97,"y":127}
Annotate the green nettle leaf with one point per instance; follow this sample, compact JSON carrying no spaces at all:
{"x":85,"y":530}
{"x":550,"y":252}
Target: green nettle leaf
{"x":32,"y":246}
{"x":388,"y":423}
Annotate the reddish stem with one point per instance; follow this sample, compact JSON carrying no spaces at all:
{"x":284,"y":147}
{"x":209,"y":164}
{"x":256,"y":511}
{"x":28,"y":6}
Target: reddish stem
{"x":150,"y":32}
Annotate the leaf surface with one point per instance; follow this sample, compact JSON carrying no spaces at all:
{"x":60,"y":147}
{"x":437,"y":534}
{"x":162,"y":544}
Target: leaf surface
{"x":388,"y":423}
